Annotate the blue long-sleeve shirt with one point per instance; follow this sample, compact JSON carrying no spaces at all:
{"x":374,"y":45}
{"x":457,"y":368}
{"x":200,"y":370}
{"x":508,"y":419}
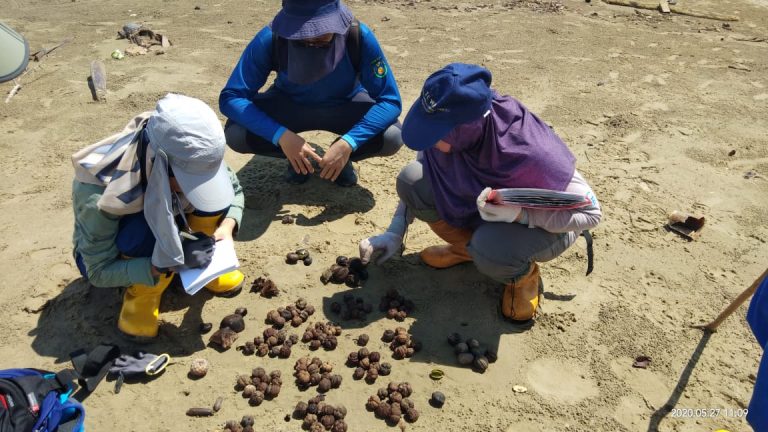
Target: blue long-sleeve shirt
{"x":336,"y":88}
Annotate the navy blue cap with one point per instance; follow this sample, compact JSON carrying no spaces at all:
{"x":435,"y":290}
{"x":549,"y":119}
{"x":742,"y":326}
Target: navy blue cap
{"x":456,"y":94}
{"x":306,"y":19}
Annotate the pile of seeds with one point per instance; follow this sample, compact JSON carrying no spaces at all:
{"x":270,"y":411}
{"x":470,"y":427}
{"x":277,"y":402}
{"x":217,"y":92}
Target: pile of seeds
{"x":273,"y":343}
{"x":367,"y":365}
{"x":296,"y":314}
{"x":244,"y":425}
{"x":265,"y":286}
{"x":319,"y":416}
{"x":322,"y":335}
{"x":230,"y":326}
{"x":315,"y":372}
{"x":402,"y":344}
{"x":350,"y":271}
{"x":392,"y":403}
{"x":298,"y":255}
{"x":471,"y":353}
{"x":353,"y":308}
{"x":259,"y":386}
{"x":396,"y":306}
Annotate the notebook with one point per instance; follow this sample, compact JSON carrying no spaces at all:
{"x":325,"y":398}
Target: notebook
{"x":224,"y":261}
{"x":538,"y":198}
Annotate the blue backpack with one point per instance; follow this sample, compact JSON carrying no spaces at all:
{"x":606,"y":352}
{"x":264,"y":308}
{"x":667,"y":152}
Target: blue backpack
{"x":32,"y":400}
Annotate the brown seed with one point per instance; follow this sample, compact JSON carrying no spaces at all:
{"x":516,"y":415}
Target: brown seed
{"x":409,"y":352}
{"x":359,"y":373}
{"x":383,"y":410}
{"x":288,"y":219}
{"x":249,"y":390}
{"x":401,"y":339}
{"x":365,"y":363}
{"x":373,"y":403}
{"x":217,"y":404}
{"x":396,"y":397}
{"x":411,"y":415}
{"x":302,"y":377}
{"x":256,"y":399}
{"x":363,"y":353}
{"x":315,"y":345}
{"x":491,"y":355}
{"x":309,"y":420}
{"x":314,"y":379}
{"x":461,"y":347}
{"x":272,"y":391}
{"x":339,"y":426}
{"x":405,"y":389}
{"x":205,"y":328}
{"x":310,"y":310}
{"x":300,"y":411}
{"x":353,"y":359}
{"x":247,"y":420}
{"x":388,"y":336}
{"x":262,"y":350}
{"x":465,"y":358}
{"x":391,"y":313}
{"x":375,"y":357}
{"x":401,"y":316}
{"x":327,"y":421}
{"x":400,"y":352}
{"x":480,"y":364}
{"x":362,"y":340}
{"x":292,"y":258}
{"x":326,"y":367}
{"x":339,"y":274}
{"x":324,"y":385}
{"x":383,"y":393}
{"x":340,"y":412}
{"x":371,"y":376}
{"x":200,"y":412}
{"x":242,"y":381}
{"x":392,"y":387}
{"x":385,"y":369}
{"x":335,"y":381}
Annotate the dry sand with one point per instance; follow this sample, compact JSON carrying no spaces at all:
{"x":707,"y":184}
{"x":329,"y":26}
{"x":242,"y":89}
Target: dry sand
{"x":650,"y":104}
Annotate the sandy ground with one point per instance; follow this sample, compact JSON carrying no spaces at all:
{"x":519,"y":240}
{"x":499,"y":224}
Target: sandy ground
{"x":663,"y":113}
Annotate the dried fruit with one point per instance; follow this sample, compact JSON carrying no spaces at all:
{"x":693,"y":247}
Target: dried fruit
{"x":491,"y":355}
{"x":234,"y":321}
{"x":224,"y":337}
{"x":265,"y":286}
{"x":388,"y":336}
{"x":359,"y":373}
{"x":480,"y":364}
{"x":465,"y":359}
{"x":256,"y":399}
{"x":249,"y":390}
{"x":198,"y":368}
{"x":411,"y":415}
{"x":291,"y":258}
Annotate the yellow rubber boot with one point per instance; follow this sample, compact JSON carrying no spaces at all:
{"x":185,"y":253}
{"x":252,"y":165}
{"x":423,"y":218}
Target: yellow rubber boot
{"x":228,"y":283}
{"x":141,"y":307}
{"x":455,"y":252}
{"x":520,"y":299}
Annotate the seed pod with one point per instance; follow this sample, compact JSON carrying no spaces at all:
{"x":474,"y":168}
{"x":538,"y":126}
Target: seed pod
{"x":342,"y":261}
{"x":473,"y":343}
{"x":461,"y":347}
{"x":314,"y":379}
{"x":400,"y":352}
{"x":365,"y":363}
{"x":437,"y":400}
{"x":373,"y":403}
{"x":249,"y":348}
{"x":272,"y":391}
{"x":324,"y":385}
{"x":371,"y":376}
{"x":297,"y":321}
{"x":275,"y":374}
{"x":401,"y":316}
{"x":359,"y":373}
{"x":310,"y":310}
{"x":241,"y":311}
{"x":312,"y":408}
{"x":335,"y":381}
{"x":465,"y":358}
{"x":385,"y":369}
{"x":198,"y":368}
{"x":292,"y":258}
{"x":315,"y":345}
{"x":409,"y":352}
{"x":248,"y":391}
{"x":256,"y":399}
{"x":352,"y":280}
{"x":411,"y":415}
{"x":491,"y":355}
{"x":383,"y":410}
{"x":405,"y":389}
{"x":258,"y":340}
{"x":480,"y":364}
{"x":363,"y":353}
{"x":262,"y":350}
{"x":288,"y":219}
{"x":353,"y":359}
{"x":339,"y":274}
{"x":401,"y":338}
{"x":388,"y":336}
{"x":200,"y":412}
{"x":392,"y":387}
{"x":391,"y":313}
{"x":362,"y":340}
{"x":269,"y":332}
{"x":302,"y":253}
{"x":307,"y":261}
{"x":242,"y":381}
{"x":339,"y":426}
{"x":217,"y":404}
{"x":247,"y":421}
{"x":313,"y":368}
{"x":340,"y":412}
{"x":396,"y":397}
{"x":285,"y":352}
{"x":326,"y":367}
{"x":309,"y":420}
{"x":302,"y":378}
{"x":327,"y":421}
{"x":300,"y":411}
{"x":382,"y":393}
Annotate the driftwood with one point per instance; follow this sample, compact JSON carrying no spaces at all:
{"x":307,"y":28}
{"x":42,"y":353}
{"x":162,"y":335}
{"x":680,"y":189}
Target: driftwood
{"x":674,"y":9}
{"x":37,"y":56}
{"x":738,"y":301}
{"x":99,"y":81}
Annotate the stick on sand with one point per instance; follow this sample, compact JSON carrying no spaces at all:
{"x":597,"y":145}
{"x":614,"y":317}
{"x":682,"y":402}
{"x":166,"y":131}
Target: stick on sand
{"x":733,"y":306}
{"x":674,"y":9}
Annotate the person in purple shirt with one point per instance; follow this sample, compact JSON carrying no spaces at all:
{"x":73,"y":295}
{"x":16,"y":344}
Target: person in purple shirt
{"x":471,"y":140}
{"x":331,"y":76}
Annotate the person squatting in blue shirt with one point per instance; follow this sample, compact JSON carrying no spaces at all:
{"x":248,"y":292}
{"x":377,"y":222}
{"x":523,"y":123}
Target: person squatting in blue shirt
{"x":315,"y":46}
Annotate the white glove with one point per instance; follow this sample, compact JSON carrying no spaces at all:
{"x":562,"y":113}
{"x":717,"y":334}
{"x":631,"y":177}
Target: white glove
{"x":384,"y":244}
{"x":495,"y":212}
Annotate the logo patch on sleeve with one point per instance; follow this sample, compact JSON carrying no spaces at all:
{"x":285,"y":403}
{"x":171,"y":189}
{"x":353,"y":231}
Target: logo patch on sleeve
{"x":380,"y":68}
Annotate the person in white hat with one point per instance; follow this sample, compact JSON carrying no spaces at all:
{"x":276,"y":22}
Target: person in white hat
{"x":135,"y":193}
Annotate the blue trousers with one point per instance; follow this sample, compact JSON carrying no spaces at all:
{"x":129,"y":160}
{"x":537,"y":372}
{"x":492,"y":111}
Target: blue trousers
{"x":757,"y":317}
{"x":134,"y":239}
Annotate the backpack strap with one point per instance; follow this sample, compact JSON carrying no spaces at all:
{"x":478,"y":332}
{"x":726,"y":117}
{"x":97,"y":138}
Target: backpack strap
{"x":354,"y":48}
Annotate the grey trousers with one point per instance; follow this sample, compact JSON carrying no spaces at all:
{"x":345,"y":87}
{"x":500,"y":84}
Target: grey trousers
{"x":301,"y":118}
{"x":502,"y":251}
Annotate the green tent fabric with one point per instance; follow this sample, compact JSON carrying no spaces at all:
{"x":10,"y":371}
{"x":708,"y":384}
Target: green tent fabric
{"x":14,"y":53}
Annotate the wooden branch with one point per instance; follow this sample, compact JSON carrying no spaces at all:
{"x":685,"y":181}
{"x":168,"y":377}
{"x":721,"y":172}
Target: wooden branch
{"x":747,"y":293}
{"x":674,"y":9}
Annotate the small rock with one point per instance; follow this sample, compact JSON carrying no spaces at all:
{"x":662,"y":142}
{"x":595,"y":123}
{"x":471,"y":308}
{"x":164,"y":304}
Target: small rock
{"x":732,"y":153}
{"x":519,"y":389}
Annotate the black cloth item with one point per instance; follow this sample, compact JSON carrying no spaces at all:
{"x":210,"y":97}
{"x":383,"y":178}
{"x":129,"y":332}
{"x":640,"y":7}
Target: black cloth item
{"x":91,"y":367}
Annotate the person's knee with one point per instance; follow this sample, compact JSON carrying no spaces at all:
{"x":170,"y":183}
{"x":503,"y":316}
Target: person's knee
{"x":236,"y":135}
{"x":495,"y":256}
{"x":407,"y":181}
{"x":392,"y":141}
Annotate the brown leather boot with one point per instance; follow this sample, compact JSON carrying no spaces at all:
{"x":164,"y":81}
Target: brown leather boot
{"x":520,"y":299}
{"x":455,"y":252}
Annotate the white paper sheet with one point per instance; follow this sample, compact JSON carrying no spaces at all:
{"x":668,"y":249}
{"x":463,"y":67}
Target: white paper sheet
{"x":224,"y":261}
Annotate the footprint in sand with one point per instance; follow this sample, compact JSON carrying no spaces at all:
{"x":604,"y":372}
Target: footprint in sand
{"x":564,"y":381}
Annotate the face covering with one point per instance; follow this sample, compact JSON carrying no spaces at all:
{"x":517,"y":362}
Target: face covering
{"x":305,"y":64}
